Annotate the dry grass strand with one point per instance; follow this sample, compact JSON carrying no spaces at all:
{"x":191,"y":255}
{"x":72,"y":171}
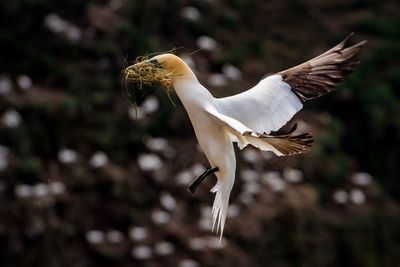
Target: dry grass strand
{"x":145,"y":73}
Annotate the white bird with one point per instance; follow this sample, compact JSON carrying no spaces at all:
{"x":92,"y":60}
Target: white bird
{"x":250,"y":117}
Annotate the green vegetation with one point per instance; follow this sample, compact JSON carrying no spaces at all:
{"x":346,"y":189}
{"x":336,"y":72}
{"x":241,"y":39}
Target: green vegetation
{"x":75,"y":157}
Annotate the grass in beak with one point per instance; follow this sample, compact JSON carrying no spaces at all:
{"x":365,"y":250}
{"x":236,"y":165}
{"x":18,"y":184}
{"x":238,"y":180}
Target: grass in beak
{"x":146,"y":74}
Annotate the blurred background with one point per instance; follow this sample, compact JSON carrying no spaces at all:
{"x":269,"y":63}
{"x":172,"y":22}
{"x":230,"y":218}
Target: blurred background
{"x":87,"y":180}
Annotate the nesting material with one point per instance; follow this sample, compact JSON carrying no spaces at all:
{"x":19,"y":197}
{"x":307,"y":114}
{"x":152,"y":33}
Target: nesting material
{"x":145,"y":72}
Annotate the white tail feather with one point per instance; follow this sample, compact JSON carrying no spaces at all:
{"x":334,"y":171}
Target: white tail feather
{"x":222,"y":192}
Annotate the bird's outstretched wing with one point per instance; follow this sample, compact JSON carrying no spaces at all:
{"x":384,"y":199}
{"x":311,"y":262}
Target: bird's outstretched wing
{"x":274,"y":100}
{"x":282,"y":144}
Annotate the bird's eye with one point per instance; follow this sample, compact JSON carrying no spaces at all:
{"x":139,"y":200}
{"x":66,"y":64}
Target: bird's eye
{"x":154,"y":61}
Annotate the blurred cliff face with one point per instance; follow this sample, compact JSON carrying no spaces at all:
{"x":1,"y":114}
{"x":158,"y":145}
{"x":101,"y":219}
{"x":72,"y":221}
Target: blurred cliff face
{"x":87,"y":180}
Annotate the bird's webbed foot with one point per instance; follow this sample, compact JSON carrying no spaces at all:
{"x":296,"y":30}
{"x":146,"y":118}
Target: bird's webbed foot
{"x":196,"y":182}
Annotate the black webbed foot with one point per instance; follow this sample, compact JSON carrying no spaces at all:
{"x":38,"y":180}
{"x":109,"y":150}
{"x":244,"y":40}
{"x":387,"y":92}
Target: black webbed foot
{"x":196,"y":182}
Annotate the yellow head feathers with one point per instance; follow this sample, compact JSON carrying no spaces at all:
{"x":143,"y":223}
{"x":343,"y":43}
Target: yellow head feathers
{"x":162,"y":70}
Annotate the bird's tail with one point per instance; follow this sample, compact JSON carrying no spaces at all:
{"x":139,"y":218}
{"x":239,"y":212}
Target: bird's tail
{"x":222,"y":190}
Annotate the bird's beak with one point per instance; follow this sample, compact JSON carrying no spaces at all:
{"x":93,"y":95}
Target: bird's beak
{"x":148,"y":72}
{"x":132,"y":69}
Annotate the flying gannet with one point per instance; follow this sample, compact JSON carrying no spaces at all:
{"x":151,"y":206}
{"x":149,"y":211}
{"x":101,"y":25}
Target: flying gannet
{"x":250,"y":117}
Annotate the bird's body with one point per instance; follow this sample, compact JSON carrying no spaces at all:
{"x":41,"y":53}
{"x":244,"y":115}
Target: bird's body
{"x":251,"y":116}
{"x":213,"y":138}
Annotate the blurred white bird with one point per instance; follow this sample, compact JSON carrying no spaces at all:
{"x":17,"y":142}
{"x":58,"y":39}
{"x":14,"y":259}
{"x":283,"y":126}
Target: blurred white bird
{"x":250,"y":117}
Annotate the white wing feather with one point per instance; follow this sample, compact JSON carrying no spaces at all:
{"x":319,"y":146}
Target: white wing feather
{"x":264,"y":108}
{"x":242,"y":134}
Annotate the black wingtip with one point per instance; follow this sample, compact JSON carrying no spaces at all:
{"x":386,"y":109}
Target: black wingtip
{"x":348,"y":37}
{"x":343,"y":43}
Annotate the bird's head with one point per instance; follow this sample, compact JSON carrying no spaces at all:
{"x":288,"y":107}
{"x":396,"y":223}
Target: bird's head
{"x":164,"y":70}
